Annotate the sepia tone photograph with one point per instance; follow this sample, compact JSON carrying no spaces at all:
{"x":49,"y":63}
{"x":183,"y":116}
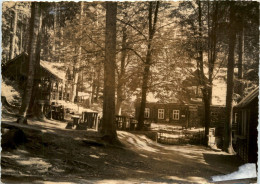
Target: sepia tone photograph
{"x":129,"y":92}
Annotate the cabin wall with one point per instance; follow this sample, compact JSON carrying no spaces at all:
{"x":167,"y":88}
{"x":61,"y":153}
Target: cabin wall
{"x":246,"y":134}
{"x":189,"y":115}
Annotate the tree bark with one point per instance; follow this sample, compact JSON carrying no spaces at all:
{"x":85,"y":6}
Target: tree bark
{"x":13,"y":36}
{"x":240,"y":59}
{"x":21,"y":37}
{"x":121,"y":75}
{"x":212,"y":54}
{"x":148,"y":61}
{"x":230,"y":83}
{"x":202,"y":81}
{"x":108,"y":124}
{"x":34,"y":108}
{"x":35,"y":27}
{"x":75,"y":81}
{"x":77,"y":64}
{"x":54,"y":31}
{"x":98,"y":83}
{"x":94,"y":86}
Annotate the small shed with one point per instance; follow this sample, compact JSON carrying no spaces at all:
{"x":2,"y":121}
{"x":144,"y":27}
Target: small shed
{"x":246,"y":118}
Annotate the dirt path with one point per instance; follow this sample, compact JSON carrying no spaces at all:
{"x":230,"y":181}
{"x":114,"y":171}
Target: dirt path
{"x":54,"y":154}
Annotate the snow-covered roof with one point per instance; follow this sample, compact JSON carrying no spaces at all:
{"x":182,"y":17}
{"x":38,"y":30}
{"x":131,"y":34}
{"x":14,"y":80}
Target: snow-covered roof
{"x":54,"y":68}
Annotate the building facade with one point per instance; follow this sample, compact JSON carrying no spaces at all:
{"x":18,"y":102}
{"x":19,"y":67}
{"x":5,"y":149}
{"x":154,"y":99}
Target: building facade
{"x":185,"y":115}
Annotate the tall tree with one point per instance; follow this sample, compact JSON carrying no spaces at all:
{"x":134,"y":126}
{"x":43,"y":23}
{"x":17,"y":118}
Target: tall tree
{"x":152,"y":20}
{"x":78,"y":60}
{"x":240,"y":57}
{"x":202,"y":26}
{"x":13,"y":37}
{"x":35,"y":27}
{"x":108,"y":124}
{"x":230,"y":81}
{"x":121,"y":73}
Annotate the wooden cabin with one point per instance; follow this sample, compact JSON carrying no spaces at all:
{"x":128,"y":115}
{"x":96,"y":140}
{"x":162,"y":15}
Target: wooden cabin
{"x":50,"y":80}
{"x":187,"y":111}
{"x":246,"y":118}
{"x":185,"y":115}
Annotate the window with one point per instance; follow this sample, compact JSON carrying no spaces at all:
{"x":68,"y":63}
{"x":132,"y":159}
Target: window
{"x":194,"y":90}
{"x":160,"y":113}
{"x":176,"y":114}
{"x":146,"y":113}
{"x":199,"y":92}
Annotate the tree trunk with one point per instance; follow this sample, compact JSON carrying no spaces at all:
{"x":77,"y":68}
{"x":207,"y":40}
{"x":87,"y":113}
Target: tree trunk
{"x":54,"y":31}
{"x":13,"y":36}
{"x":203,"y":82}
{"x":119,"y":100}
{"x":35,"y":27}
{"x":144,"y":93}
{"x":94,"y":86}
{"x":240,"y":60}
{"x":121,"y":75}
{"x":108,"y":125}
{"x":148,"y":61}
{"x":21,"y":37}
{"x":74,"y":85}
{"x":98,"y":84}
{"x":207,"y":112}
{"x":77,"y":64}
{"x":207,"y":97}
{"x":230,"y":82}
{"x":34,"y":109}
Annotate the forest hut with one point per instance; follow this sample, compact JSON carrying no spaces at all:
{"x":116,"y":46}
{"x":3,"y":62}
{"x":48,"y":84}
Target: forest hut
{"x":49,"y":77}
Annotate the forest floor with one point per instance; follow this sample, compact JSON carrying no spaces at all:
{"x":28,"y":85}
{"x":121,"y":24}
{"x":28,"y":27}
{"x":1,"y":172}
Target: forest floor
{"x":46,"y":152}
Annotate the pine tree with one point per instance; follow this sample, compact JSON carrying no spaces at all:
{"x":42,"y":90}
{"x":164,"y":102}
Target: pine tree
{"x":230,"y":81}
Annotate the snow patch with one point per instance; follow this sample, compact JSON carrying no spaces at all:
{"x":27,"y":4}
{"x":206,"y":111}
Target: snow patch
{"x":244,"y":171}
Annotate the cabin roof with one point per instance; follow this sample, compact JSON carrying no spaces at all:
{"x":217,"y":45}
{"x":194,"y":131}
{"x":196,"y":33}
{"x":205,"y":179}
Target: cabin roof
{"x":50,"y":68}
{"x":54,"y":69}
{"x":249,"y":98}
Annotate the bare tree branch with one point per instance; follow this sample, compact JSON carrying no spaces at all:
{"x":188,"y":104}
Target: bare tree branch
{"x":126,"y":23}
